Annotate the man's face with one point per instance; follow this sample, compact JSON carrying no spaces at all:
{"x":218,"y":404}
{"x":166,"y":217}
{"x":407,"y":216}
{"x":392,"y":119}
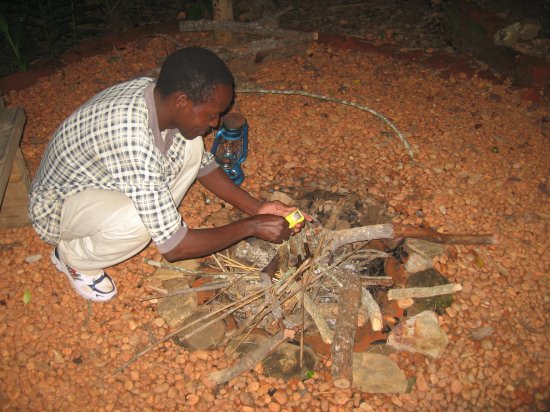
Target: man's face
{"x":194,"y":120}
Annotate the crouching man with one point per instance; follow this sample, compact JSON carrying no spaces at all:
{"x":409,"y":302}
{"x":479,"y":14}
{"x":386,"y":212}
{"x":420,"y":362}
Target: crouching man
{"x":116,"y":170}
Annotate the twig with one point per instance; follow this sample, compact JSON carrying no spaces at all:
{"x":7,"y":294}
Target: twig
{"x":339,"y":101}
{"x":235,"y":263}
{"x":218,"y":262}
{"x":270,"y":303}
{"x":164,"y":265}
{"x":394,"y":294}
{"x":326,"y":333}
{"x":202,"y":288}
{"x":192,"y":272}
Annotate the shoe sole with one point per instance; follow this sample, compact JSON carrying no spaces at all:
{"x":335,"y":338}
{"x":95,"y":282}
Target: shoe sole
{"x":63,"y":269}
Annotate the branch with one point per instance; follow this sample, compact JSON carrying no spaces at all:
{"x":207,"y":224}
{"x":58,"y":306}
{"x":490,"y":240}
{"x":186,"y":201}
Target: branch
{"x":395,"y":294}
{"x":337,"y":238}
{"x":344,"y":332}
{"x":436,"y":237}
{"x":248,"y":361}
{"x":339,"y":101}
{"x":249,"y":28}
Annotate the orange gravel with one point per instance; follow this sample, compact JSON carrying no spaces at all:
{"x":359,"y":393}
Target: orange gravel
{"x":481,"y":166}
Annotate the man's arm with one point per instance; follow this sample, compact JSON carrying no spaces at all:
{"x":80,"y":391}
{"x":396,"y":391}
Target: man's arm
{"x":266,"y":222}
{"x":202,"y":242}
{"x":222,"y":186}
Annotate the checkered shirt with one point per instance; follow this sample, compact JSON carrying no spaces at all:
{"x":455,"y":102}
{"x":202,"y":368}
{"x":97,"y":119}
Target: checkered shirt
{"x":108,"y":143}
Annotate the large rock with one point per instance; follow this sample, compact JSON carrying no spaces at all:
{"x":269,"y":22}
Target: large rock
{"x":208,"y":337}
{"x":418,"y":263}
{"x":175,"y":309}
{"x":427,"y":249}
{"x":281,"y":197}
{"x":420,"y":334}
{"x":284,"y":362}
{"x":374,"y":373}
{"x":254,"y":252}
{"x":511,"y":34}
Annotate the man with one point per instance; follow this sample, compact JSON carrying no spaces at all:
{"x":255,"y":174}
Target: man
{"x":116,"y":170}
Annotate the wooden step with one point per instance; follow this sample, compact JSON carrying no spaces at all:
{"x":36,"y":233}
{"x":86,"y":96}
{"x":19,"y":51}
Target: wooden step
{"x":14,"y":178}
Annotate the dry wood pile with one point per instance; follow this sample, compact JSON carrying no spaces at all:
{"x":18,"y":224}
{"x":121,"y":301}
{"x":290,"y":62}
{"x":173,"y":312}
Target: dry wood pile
{"x":288,"y":290}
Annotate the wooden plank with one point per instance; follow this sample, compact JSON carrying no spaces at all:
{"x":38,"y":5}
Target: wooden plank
{"x":12,"y":121}
{"x":19,"y":169}
{"x":14,"y":210}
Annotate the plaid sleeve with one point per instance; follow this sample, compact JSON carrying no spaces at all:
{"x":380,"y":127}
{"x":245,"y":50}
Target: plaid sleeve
{"x":208,"y":163}
{"x":137,"y":171}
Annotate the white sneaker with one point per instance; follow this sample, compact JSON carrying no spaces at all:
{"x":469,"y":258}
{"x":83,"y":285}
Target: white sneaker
{"x":98,"y":288}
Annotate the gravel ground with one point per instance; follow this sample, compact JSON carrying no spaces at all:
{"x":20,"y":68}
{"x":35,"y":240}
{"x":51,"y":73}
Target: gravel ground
{"x":481,"y":166}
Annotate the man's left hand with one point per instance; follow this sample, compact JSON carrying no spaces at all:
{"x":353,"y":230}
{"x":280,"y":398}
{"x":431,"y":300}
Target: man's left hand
{"x":280,"y":209}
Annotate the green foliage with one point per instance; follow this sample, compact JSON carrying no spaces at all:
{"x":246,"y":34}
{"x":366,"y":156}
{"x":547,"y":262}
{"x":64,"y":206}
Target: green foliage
{"x":15,"y":37}
{"x":51,"y":26}
{"x":27,"y":296}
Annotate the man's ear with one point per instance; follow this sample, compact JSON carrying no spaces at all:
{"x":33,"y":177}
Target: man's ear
{"x":181,"y":101}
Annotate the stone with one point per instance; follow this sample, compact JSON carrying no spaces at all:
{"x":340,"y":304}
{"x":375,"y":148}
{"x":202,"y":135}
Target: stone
{"x":284,"y":362}
{"x":374,"y":373}
{"x":33,"y":258}
{"x":417,"y":263}
{"x":515,"y":32}
{"x":419,"y":334}
{"x":254,"y":252}
{"x":481,"y":332}
{"x":422,"y":383}
{"x":529,"y":30}
{"x":252,"y":341}
{"x":209,"y":337}
{"x":456,"y":387}
{"x":281,"y":197}
{"x":427,"y":249}
{"x":193,"y":399}
{"x":427,"y":278}
{"x":280,"y":396}
{"x":175,"y":309}
{"x":405,"y":303}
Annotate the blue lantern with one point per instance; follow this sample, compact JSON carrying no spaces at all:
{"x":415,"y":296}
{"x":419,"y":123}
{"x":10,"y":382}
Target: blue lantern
{"x":231,"y":146}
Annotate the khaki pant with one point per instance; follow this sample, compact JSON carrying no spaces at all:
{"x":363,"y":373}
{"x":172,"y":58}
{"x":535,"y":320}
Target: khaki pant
{"x":100,"y":228}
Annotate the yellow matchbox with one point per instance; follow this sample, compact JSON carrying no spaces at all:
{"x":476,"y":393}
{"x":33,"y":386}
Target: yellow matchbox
{"x":294,"y":218}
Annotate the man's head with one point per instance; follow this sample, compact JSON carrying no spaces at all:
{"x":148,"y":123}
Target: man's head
{"x":198,"y":87}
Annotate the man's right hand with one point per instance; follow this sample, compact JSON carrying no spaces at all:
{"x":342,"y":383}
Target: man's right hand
{"x":271,"y":228}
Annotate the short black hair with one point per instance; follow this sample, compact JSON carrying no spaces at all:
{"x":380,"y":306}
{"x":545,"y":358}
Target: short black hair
{"x":194,"y":71}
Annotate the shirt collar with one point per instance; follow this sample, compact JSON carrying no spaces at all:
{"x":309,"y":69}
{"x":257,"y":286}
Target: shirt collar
{"x":162,"y":144}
